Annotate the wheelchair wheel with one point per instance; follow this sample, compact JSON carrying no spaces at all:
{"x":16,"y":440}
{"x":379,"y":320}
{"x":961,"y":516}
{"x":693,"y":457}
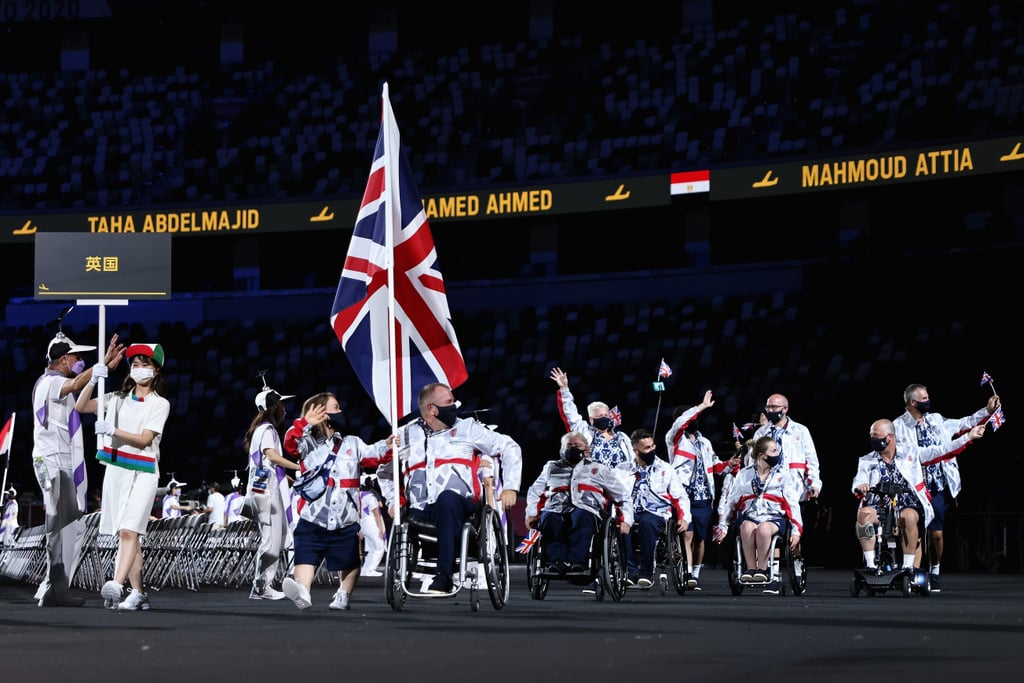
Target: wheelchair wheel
{"x":537,"y":585}
{"x":676,"y":561}
{"x":796,"y":583}
{"x":905,"y":585}
{"x":736,"y":568}
{"x":539,"y":590}
{"x":494,"y":557}
{"x":614,"y":573}
{"x":799,"y":583}
{"x":396,"y":559}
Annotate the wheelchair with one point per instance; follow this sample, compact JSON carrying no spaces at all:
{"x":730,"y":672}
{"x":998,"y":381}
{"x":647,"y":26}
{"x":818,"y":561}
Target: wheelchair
{"x":670,"y":566}
{"x":607,"y":567}
{"x":481,"y":560}
{"x":780,"y":566}
{"x":889,"y":575}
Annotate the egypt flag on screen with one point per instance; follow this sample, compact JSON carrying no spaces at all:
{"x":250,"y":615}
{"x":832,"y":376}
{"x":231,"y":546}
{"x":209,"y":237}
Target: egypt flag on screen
{"x":392,"y":240}
{"x":690,"y":182}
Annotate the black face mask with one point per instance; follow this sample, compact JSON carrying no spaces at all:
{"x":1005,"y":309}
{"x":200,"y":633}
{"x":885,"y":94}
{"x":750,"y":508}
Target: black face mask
{"x":774,"y":416}
{"x":878,"y":445}
{"x":648,"y":457}
{"x":336,"y":421}
{"x":772,"y":460}
{"x":573,"y":455}
{"x":924,"y":406}
{"x":447,"y":414}
{"x":602,"y":424}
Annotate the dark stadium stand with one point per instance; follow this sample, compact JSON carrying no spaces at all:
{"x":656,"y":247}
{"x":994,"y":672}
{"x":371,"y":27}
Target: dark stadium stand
{"x":148,"y":129}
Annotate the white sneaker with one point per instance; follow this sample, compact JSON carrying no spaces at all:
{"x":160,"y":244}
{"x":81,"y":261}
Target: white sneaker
{"x":297,"y":593}
{"x":134,"y":601}
{"x":340,"y":600}
{"x":112,"y":593}
{"x":369,"y":573}
{"x":267,"y":593}
{"x":798,"y":567}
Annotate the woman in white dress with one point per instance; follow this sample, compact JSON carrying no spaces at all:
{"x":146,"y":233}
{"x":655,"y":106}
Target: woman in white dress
{"x":128,"y":437}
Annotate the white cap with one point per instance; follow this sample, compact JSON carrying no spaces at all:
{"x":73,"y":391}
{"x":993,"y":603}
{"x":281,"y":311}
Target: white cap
{"x":268,"y":398}
{"x":62,"y":345}
{"x":172,"y":484}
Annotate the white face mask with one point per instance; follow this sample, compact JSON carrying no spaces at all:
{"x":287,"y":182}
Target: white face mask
{"x":142,"y":375}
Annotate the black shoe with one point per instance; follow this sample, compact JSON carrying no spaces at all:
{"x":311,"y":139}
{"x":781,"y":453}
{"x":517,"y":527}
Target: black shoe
{"x":577,"y":568}
{"x":772,"y":588}
{"x":632,"y":579}
{"x":58,"y":594}
{"x":55,"y":598}
{"x":936,"y":587}
{"x":555,"y":568}
{"x":441,"y":584}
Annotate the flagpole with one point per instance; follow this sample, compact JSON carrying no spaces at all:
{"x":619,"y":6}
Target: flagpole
{"x":391,"y":170}
{"x":10,"y":449}
{"x":657,"y":411}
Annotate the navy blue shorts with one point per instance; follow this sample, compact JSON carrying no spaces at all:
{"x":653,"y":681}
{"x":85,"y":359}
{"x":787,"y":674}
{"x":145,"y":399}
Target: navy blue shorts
{"x":779,"y":521}
{"x":338,"y":549}
{"x":700,"y":525}
{"x":939,"y":504}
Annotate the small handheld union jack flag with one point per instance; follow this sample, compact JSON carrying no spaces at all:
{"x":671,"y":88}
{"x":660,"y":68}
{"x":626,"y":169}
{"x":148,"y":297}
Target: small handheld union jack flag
{"x":664,"y":370}
{"x":997,"y":418}
{"x":615,"y":415}
{"x":531,"y":539}
{"x":736,"y":433}
{"x":747,"y":426}
{"x":987,"y":379}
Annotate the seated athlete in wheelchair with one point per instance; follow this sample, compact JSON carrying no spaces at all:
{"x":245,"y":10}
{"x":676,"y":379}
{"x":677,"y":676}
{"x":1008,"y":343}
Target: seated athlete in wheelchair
{"x":894,"y":503}
{"x":764,"y":503}
{"x":659,"y":499}
{"x":441,"y":500}
{"x":569,"y":502}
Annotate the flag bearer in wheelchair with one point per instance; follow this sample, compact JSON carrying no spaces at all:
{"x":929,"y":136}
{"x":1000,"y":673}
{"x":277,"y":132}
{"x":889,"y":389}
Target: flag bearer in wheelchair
{"x":658,"y":495}
{"x":764,"y":500}
{"x":901,"y":466}
{"x":441,"y":455}
{"x":569,"y":498}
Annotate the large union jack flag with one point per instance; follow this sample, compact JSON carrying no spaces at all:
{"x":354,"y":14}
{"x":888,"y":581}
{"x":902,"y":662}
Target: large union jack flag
{"x":392,"y":238}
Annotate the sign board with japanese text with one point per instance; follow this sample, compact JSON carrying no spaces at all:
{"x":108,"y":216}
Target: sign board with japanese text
{"x":112,"y":266}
